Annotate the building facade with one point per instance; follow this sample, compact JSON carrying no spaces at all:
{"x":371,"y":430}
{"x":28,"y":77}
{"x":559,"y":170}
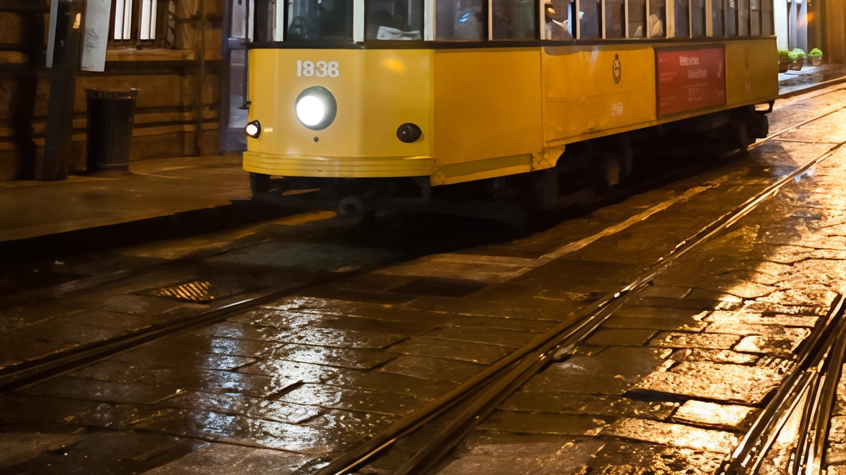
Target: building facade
{"x":168,"y":49}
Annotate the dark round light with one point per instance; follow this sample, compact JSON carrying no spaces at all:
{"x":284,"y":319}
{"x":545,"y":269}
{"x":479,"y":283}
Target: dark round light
{"x":409,"y":132}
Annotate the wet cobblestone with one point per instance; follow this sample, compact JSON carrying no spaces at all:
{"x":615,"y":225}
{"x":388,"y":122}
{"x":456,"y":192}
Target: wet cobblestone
{"x":669,"y":383}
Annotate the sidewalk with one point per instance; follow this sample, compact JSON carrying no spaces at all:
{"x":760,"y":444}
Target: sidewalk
{"x":156,"y":188}
{"x":164,"y":187}
{"x":793,"y":82}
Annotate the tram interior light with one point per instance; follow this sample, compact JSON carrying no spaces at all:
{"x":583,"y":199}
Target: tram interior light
{"x":253,"y":129}
{"x":316,"y":108}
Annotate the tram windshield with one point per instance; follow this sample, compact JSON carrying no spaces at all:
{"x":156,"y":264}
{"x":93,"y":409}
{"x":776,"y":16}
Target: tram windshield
{"x":312,"y":20}
{"x":393,"y":19}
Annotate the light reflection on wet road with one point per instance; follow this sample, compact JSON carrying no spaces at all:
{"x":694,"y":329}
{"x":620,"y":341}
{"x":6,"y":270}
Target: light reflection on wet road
{"x":668,"y":384}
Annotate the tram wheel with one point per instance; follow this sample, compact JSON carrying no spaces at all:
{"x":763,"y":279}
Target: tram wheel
{"x":607,"y":171}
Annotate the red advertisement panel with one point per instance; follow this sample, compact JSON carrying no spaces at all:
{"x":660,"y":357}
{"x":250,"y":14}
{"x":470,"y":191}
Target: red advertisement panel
{"x":690,"y":79}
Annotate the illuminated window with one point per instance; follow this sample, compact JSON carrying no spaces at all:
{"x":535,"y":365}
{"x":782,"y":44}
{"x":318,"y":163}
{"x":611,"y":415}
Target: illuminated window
{"x":615,"y":15}
{"x":682,"y":12}
{"x":731,"y":17}
{"x":697,"y":18}
{"x":142,"y":22}
{"x":717,"y":17}
{"x":743,"y":17}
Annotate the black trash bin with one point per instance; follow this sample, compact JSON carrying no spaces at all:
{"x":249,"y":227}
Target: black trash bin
{"x":110,"y":118}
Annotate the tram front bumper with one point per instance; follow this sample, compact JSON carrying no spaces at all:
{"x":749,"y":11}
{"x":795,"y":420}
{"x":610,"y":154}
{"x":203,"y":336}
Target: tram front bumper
{"x":338,"y":167}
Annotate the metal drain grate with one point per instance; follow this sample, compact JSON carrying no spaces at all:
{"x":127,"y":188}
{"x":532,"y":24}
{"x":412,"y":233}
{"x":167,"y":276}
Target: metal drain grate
{"x":196,"y":291}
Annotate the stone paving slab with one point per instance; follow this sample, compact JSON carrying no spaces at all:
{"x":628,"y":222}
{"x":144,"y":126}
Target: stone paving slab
{"x":222,"y":459}
{"x":315,"y":373}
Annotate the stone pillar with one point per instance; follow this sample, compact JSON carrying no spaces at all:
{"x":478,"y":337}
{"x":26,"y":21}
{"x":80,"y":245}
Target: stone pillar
{"x":834,"y":15}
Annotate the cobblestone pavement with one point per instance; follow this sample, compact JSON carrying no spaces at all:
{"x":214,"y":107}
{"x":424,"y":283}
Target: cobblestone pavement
{"x":668,"y":384}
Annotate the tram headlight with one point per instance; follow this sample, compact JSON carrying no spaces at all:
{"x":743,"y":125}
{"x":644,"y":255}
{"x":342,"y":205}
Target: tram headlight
{"x":316,"y":108}
{"x":253,"y":129}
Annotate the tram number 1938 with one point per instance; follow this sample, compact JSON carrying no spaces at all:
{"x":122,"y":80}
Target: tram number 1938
{"x":320,"y":69}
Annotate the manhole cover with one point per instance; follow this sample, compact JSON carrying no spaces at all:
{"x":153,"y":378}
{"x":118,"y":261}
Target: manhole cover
{"x":196,"y":291}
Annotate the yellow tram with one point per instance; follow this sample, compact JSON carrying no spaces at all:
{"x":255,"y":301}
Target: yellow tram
{"x":368,"y":104}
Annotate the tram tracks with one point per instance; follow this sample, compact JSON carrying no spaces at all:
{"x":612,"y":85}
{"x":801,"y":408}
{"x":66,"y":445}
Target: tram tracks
{"x":494,"y":385}
{"x":455,"y":414}
{"x":811,"y":388}
{"x":29,"y":373}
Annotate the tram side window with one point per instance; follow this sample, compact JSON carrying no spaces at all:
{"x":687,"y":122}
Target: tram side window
{"x":767,"y":22}
{"x":697,"y":17}
{"x":743,"y":17}
{"x":731,"y":18}
{"x":558,"y":18}
{"x":682,"y":12}
{"x":589,"y":19}
{"x":656,"y":19}
{"x":755,"y":18}
{"x":717,"y":17}
{"x":310,"y":20}
{"x":393,"y":19}
{"x":514,"y":19}
{"x":461,"y":20}
{"x":614,"y":17}
{"x":637,"y":14}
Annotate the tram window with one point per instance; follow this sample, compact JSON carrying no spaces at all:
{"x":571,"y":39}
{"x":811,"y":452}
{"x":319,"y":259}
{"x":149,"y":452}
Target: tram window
{"x":637,"y":14}
{"x":589,"y":19}
{"x":514,"y":19}
{"x":558,"y":15}
{"x":310,"y":20}
{"x":657,"y":17}
{"x":393,"y":19}
{"x":731,"y":18}
{"x":717,"y":17}
{"x":742,"y":17}
{"x":682,"y":12}
{"x":614,"y":16}
{"x":462,"y":20}
{"x":755,"y":18}
{"x":697,"y":17}
{"x":767,"y":19}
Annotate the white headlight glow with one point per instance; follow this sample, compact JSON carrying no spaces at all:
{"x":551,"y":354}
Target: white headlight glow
{"x":310,"y":110}
{"x":252,"y":129}
{"x":316,"y":108}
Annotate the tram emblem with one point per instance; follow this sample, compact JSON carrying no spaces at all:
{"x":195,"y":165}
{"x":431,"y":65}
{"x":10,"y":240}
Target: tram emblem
{"x":617,"y":69}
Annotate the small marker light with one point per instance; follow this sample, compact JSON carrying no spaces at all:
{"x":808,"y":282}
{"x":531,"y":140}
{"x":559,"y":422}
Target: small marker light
{"x":253,"y":129}
{"x":409,"y":132}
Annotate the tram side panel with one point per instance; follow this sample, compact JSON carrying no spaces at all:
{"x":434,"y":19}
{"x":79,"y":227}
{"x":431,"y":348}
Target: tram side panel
{"x":595,"y":91}
{"x":376,"y":92}
{"x":751,"y":71}
{"x":487,"y":112}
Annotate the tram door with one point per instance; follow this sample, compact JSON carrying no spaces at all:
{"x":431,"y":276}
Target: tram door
{"x":237,"y":31}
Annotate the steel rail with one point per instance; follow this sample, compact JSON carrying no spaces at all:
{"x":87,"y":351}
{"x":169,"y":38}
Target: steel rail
{"x":536,"y":351}
{"x":809,"y":456}
{"x":20,"y":376}
{"x":750,"y":453}
{"x":424,"y":458}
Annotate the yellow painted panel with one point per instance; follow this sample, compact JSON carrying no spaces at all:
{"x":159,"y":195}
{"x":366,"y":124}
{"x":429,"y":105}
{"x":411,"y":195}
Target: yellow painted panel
{"x":333,"y":167}
{"x":376,"y":92}
{"x":582,"y":97}
{"x":488,"y":104}
{"x":752,"y":71}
